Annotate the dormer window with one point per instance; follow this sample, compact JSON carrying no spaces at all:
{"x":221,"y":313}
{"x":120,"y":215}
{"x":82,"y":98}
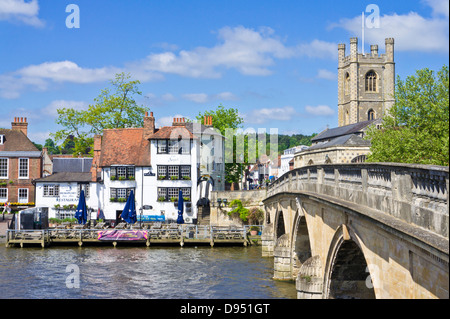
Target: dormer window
{"x":2,"y":139}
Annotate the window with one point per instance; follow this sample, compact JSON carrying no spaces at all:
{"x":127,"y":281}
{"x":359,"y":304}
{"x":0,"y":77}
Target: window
{"x":123,"y":173}
{"x":171,"y":194}
{"x":173,"y":172}
{"x":162,"y":146}
{"x":23,"y":167}
{"x":3,"y":195}
{"x":86,"y":188}
{"x":174,"y":148}
{"x":347,"y":84}
{"x":51,"y":190}
{"x":2,"y":139}
{"x":371,"y":81}
{"x":120,"y":194}
{"x":371,"y":115}
{"x":186,"y":193}
{"x":23,"y":195}
{"x":162,"y":172}
{"x":162,"y":194}
{"x":180,"y":146}
{"x":3,"y":168}
{"x":185,"y":172}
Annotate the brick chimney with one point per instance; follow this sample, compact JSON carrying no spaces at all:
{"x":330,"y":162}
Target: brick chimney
{"x":20,"y":124}
{"x":179,"y":121}
{"x":207,"y":120}
{"x":95,"y":168}
{"x":149,"y":125}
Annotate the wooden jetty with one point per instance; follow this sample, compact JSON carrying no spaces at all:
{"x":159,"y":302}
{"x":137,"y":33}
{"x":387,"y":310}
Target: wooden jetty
{"x":159,"y":234}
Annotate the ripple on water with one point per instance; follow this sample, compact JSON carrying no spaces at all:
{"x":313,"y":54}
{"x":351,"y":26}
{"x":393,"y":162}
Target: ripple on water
{"x":136,"y":272}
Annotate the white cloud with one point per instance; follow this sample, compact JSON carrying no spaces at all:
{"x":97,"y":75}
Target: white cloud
{"x":196,"y":97}
{"x":264,"y":115}
{"x":318,"y":49}
{"x":319,"y":110}
{"x":21,"y":11}
{"x":51,"y":109}
{"x":204,"y":98}
{"x":440,"y":7}
{"x":40,"y":76}
{"x":66,"y":71}
{"x":251,"y":52}
{"x":412,"y":32}
{"x":327,"y":75}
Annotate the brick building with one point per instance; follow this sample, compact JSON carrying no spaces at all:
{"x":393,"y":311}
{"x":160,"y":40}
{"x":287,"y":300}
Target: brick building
{"x":20,"y":163}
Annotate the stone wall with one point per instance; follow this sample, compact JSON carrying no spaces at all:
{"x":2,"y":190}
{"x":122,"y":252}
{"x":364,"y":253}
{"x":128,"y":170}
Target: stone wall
{"x":219,"y":214}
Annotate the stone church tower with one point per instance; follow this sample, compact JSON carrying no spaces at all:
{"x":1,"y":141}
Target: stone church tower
{"x":366,"y":83}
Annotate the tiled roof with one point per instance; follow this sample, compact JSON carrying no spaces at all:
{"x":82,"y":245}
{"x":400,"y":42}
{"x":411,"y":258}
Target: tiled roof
{"x":341,"y":130}
{"x":81,"y":165}
{"x":65,"y":177}
{"x":124,"y":147}
{"x":168,"y":132}
{"x":346,"y":140}
{"x":16,"y":141}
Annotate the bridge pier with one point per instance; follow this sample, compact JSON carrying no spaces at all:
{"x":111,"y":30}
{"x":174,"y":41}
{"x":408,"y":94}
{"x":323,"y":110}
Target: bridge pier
{"x":267,"y":244}
{"x":309,"y":282}
{"x":282,"y":259}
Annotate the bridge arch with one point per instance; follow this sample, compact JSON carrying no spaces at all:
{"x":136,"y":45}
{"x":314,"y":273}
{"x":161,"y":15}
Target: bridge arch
{"x":301,"y":246}
{"x":347,"y":275}
{"x":280,"y":228}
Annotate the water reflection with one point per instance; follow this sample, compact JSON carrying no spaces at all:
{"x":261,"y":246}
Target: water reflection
{"x":136,"y":272}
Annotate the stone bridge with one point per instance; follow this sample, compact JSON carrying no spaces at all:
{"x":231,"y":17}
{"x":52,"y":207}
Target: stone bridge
{"x":376,"y":230}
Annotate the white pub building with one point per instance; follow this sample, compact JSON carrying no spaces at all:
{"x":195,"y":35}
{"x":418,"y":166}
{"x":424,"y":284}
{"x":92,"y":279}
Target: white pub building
{"x":156,"y":163}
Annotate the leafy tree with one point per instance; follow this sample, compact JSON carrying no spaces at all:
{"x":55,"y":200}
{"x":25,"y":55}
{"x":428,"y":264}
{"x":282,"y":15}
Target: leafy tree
{"x":416,"y":128}
{"x":114,"y":108}
{"x":52,"y":148}
{"x":223,"y":119}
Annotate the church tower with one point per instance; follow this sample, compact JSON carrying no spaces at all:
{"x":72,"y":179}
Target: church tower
{"x":365,"y":83}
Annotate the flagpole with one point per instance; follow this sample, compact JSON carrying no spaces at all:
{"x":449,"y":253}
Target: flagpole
{"x":362,"y":22}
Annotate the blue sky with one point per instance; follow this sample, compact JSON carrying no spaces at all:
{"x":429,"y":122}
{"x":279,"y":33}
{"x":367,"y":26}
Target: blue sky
{"x":275,"y":61}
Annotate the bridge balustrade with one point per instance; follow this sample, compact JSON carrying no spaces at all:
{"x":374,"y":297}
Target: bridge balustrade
{"x":417,"y":194}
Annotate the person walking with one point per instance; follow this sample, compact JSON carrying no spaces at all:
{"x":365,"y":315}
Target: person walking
{"x":6,"y":208}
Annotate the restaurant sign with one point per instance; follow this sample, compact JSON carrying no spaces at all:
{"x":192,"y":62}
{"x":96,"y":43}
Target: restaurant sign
{"x":125,"y":235}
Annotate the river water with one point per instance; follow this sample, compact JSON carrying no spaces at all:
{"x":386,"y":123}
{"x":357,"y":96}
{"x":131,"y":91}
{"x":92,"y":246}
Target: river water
{"x":139,"y":272}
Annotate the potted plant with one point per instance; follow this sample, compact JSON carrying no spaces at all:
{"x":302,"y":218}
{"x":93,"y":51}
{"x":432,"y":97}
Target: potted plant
{"x":173,"y":178}
{"x":161,"y":177}
{"x":161,"y":199}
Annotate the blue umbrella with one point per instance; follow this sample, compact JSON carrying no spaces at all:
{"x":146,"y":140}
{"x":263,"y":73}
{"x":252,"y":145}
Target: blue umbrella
{"x":180,"y":219}
{"x":129,"y":212}
{"x":81,"y":213}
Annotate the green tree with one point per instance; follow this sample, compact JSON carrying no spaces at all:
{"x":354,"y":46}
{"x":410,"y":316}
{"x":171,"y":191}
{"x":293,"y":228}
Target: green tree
{"x":51,"y":146}
{"x":113,"y":108}
{"x":222,"y":119}
{"x":416,"y":128}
